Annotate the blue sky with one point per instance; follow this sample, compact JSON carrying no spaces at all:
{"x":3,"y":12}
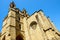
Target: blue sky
{"x":51,"y":8}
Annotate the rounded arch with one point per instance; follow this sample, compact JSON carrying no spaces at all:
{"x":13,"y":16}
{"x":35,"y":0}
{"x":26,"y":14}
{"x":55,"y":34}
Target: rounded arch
{"x":20,"y":37}
{"x":33,"y":24}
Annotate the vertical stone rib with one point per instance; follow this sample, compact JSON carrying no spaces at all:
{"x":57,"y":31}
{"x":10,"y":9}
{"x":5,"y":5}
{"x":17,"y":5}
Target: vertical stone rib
{"x":41,"y":24}
{"x":26,"y":29}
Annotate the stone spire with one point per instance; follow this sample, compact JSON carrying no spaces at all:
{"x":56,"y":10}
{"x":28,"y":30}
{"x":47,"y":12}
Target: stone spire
{"x":12,"y":5}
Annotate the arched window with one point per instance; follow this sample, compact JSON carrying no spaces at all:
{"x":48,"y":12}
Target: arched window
{"x":19,"y":37}
{"x":33,"y":25}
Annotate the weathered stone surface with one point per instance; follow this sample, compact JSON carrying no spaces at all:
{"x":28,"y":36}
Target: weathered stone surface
{"x":18,"y":25}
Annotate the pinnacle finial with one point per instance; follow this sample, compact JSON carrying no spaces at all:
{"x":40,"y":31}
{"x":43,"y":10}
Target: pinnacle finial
{"x":24,"y":10}
{"x":12,"y":4}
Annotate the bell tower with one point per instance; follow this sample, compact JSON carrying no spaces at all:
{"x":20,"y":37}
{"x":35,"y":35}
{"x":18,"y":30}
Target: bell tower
{"x":9,"y":24}
{"x":11,"y":29}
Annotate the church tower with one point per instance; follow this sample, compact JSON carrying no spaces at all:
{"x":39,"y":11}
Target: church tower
{"x":18,"y":25}
{"x":13,"y":24}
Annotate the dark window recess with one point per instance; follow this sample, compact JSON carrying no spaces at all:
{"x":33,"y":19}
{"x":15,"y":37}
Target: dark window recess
{"x":47,"y":29}
{"x":19,"y":26}
{"x":52,"y":29}
{"x":18,"y":18}
{"x":19,"y":37}
{"x":33,"y":25}
{"x":8,"y":34}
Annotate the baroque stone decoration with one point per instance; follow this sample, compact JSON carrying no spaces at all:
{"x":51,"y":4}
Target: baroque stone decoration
{"x":18,"y":25}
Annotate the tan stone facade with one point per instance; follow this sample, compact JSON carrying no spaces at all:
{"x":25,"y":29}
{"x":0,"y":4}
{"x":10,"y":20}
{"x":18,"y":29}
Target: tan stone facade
{"x":18,"y":25}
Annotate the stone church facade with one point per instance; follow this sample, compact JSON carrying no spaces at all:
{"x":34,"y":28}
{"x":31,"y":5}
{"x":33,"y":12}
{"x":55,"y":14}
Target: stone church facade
{"x":18,"y":25}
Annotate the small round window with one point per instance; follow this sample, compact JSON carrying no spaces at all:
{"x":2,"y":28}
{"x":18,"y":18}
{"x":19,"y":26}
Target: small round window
{"x":33,"y":25}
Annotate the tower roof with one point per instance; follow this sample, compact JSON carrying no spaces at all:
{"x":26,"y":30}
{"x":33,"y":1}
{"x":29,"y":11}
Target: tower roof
{"x":12,"y":4}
